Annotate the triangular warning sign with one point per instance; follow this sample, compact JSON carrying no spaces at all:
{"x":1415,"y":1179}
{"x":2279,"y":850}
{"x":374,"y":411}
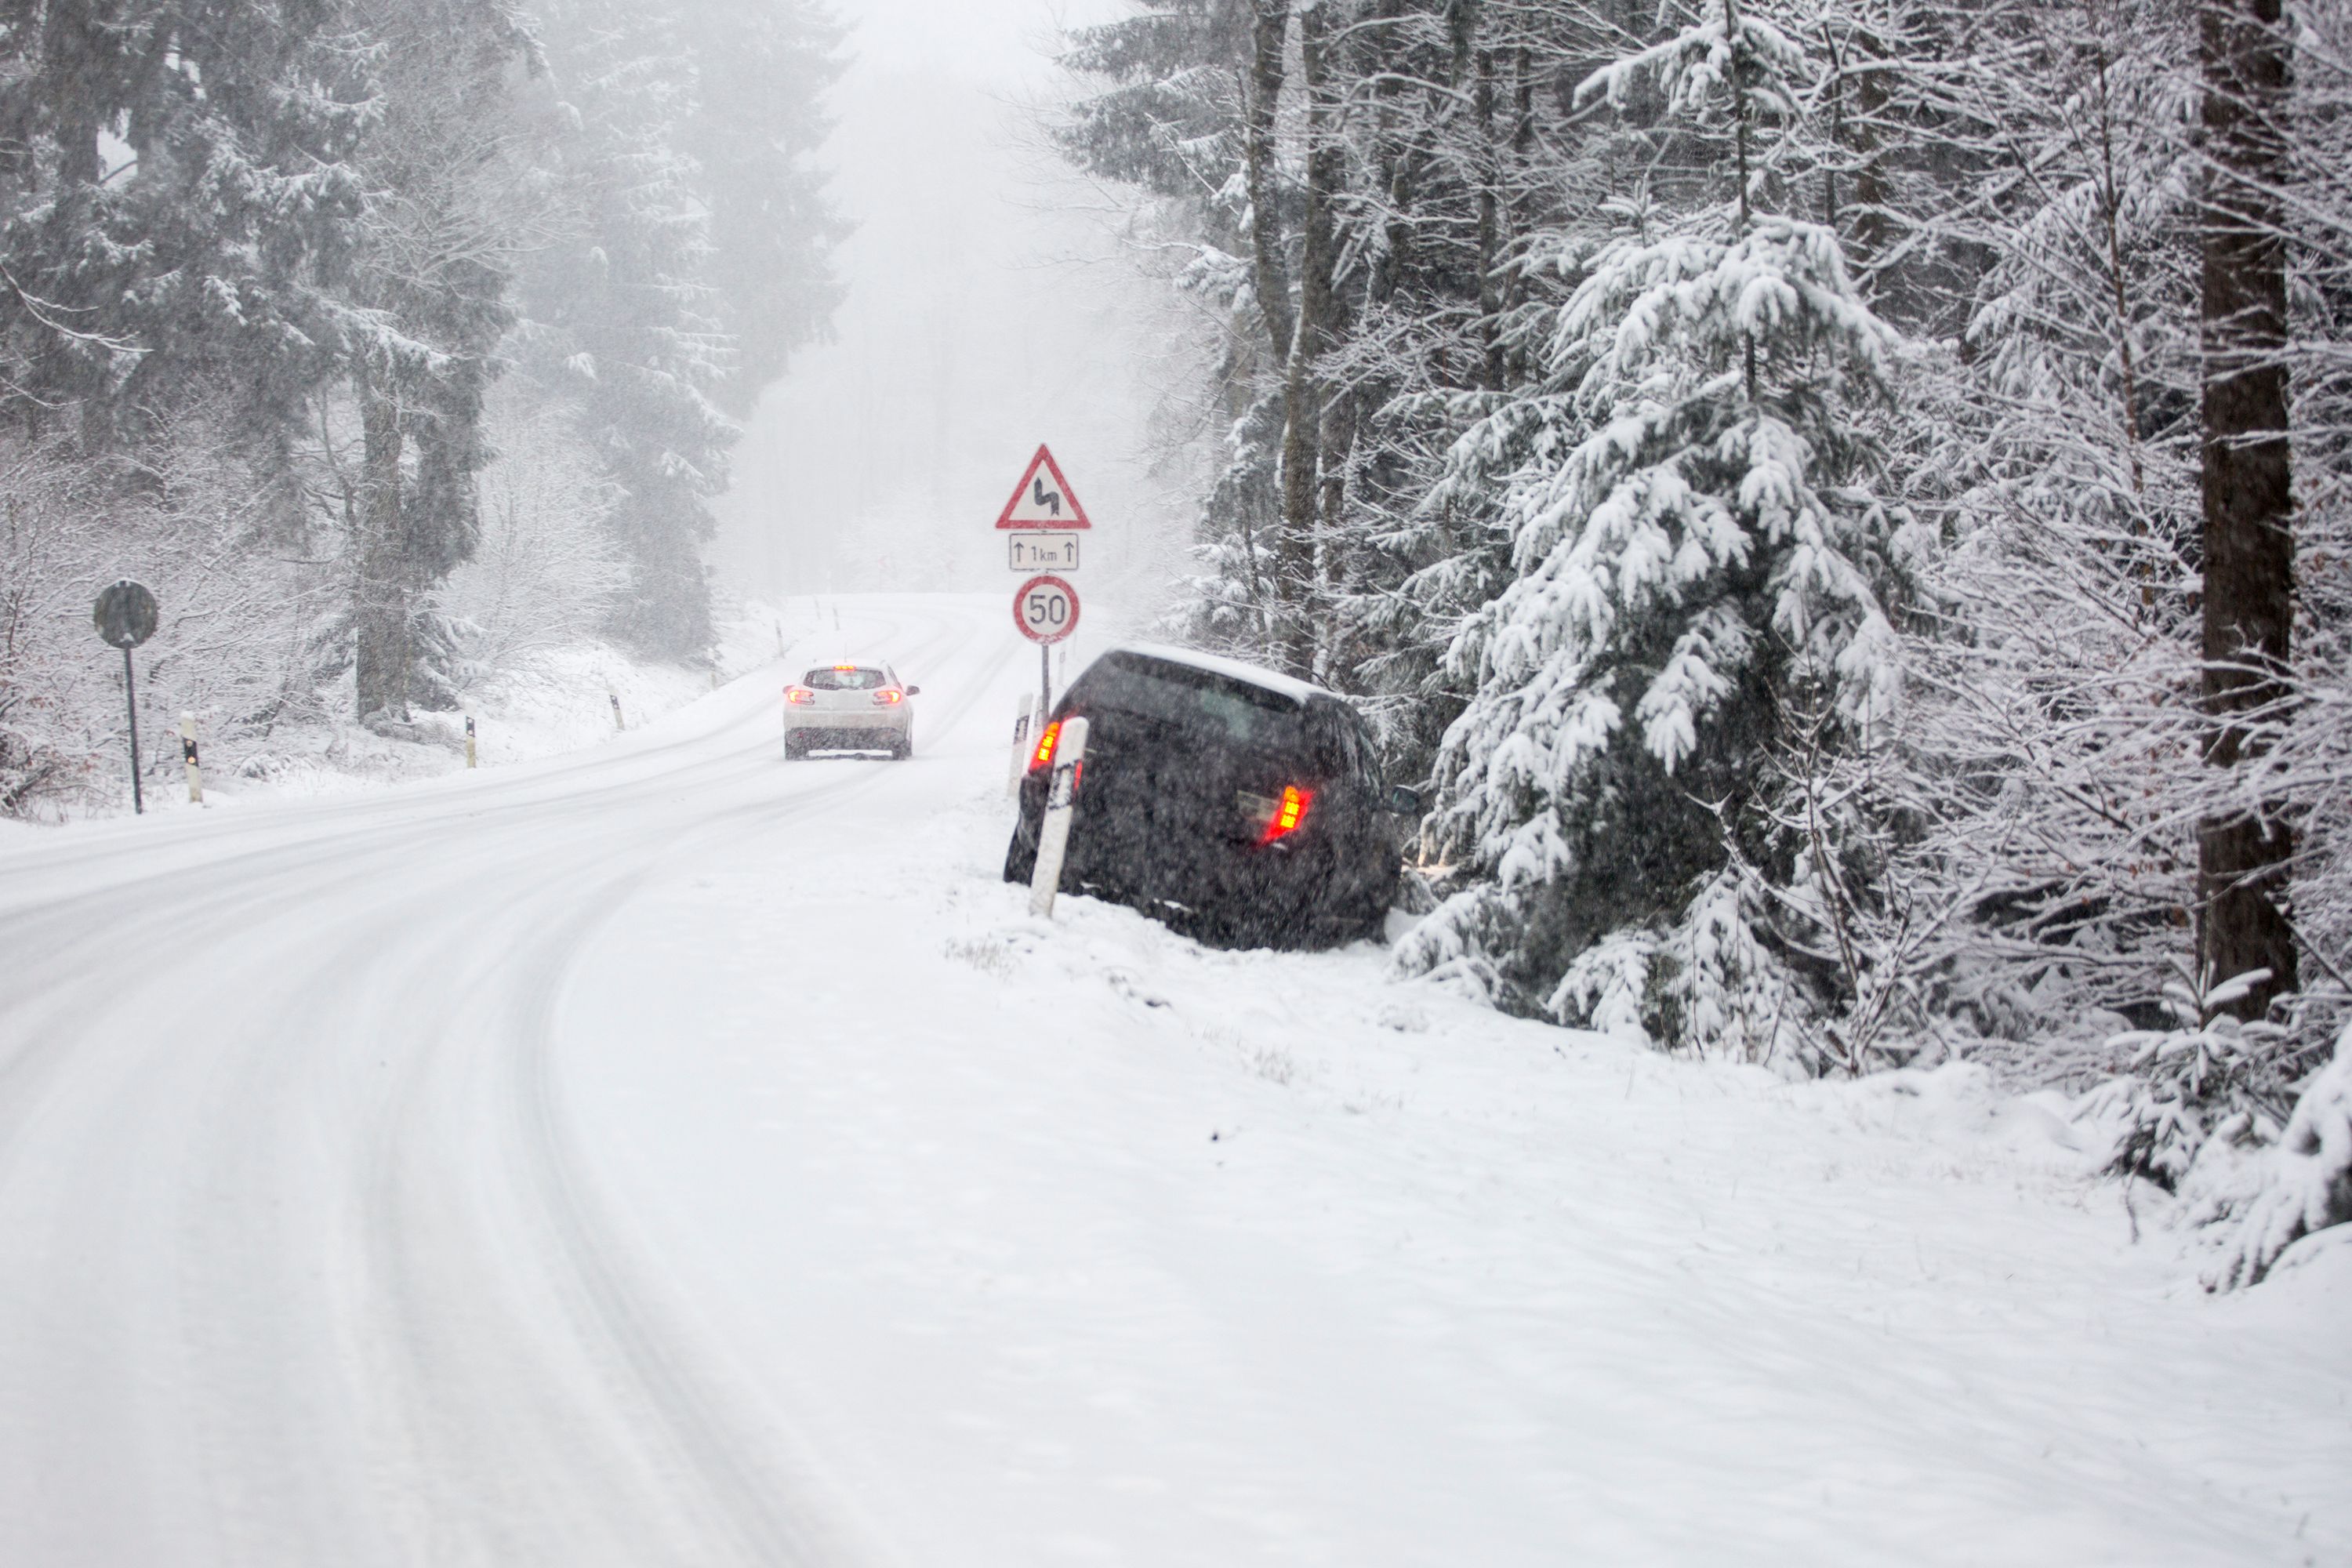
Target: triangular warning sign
{"x":1042,"y":498}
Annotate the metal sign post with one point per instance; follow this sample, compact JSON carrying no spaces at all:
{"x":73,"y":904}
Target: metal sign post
{"x":126,"y":616}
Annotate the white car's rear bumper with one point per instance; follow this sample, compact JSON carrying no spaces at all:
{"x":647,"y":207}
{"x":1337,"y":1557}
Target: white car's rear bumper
{"x":887,"y":719}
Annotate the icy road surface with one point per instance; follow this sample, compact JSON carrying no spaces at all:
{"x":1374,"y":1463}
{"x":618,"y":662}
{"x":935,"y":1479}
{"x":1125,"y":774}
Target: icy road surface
{"x":673,"y":1156}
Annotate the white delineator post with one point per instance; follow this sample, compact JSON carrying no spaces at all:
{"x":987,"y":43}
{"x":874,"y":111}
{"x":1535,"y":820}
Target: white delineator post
{"x":615,"y":698}
{"x":1023,"y":724}
{"x":188,"y":755}
{"x":1054,"y":832}
{"x":469,"y":740}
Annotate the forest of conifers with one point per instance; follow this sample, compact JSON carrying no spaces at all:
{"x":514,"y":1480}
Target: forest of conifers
{"x":385,"y":339}
{"x":1845,"y":500}
{"x":1843,"y":505}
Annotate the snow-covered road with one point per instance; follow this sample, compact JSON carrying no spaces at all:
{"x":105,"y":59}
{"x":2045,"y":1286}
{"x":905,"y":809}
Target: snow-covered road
{"x":670,"y":1155}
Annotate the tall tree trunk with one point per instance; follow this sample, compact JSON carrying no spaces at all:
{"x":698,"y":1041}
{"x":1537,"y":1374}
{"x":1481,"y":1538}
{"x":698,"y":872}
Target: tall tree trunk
{"x":380,"y":610}
{"x":2249,"y":544}
{"x":1490,"y":224}
{"x":1262,"y":92}
{"x":1868,"y":52}
{"x":1302,"y":391}
{"x":1340,"y":415}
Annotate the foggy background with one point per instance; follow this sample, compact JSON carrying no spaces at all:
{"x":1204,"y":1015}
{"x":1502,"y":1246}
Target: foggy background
{"x":988,"y":309}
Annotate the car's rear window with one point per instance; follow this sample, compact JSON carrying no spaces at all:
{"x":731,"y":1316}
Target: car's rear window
{"x":1198,"y":700}
{"x":831,"y":680}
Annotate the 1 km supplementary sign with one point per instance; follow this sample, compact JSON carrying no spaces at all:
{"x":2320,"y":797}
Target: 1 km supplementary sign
{"x":1042,"y":498}
{"x":1042,"y":552}
{"x":1046,"y":609}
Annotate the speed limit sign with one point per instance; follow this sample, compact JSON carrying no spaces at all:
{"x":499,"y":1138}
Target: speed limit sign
{"x":1046,"y":609}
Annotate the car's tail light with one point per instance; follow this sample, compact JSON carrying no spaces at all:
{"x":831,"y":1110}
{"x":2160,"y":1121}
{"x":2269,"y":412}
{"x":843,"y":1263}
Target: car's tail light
{"x":887,"y":695}
{"x":799,"y":695}
{"x":1274,"y":816}
{"x":1043,"y":757}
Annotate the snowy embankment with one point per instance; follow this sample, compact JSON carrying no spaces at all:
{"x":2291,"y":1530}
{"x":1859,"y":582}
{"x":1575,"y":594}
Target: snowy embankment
{"x":671,"y":1154}
{"x":1122,"y":1251}
{"x":541,"y":704}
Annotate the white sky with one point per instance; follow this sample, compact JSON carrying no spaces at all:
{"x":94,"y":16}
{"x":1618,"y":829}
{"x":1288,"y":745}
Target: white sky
{"x":969,"y":334}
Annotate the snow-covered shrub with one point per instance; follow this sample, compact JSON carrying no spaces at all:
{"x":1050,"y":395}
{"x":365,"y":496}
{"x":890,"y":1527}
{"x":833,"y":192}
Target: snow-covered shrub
{"x":2179,"y":1086}
{"x":546,"y":571}
{"x":2036,"y":796}
{"x":2308,"y":1185}
{"x":174,"y":511}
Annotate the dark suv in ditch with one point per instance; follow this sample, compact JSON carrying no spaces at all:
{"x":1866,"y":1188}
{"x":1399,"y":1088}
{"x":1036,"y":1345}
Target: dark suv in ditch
{"x":1233,"y":804}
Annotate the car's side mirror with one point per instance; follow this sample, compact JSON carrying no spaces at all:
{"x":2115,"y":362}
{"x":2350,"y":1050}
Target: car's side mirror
{"x":1403,"y":801}
{"x":914,"y":691}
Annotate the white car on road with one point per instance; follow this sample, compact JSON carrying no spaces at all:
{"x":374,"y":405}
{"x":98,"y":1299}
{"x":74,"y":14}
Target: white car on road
{"x":851,"y":707}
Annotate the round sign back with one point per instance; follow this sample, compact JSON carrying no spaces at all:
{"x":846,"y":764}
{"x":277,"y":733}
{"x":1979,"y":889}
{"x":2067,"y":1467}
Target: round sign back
{"x":125,"y":615}
{"x":1046,"y":609}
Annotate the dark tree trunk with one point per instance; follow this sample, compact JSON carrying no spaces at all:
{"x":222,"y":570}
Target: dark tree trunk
{"x":380,"y":610}
{"x":2249,"y":544}
{"x":1490,"y":221}
{"x":1302,"y":391}
{"x":1270,"y":21}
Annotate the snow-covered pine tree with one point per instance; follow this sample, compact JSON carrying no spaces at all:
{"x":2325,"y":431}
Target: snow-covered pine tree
{"x":763,"y":68}
{"x":451,"y":205}
{"x":174,"y":174}
{"x":1465,"y":145}
{"x":1166,"y":116}
{"x":621,"y":321}
{"x":1703,"y":570}
{"x":2033,"y":788}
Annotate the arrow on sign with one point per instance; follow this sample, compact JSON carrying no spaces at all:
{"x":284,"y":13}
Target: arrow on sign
{"x":1042,"y":496}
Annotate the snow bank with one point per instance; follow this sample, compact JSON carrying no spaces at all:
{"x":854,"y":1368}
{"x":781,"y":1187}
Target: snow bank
{"x":545,"y":704}
{"x":1072,"y":1241}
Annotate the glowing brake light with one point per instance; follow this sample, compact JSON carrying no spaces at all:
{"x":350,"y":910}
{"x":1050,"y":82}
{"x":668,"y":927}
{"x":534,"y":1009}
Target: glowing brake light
{"x":1283,"y":816}
{"x":885,"y":696}
{"x":799,"y":694}
{"x":1044,"y":755}
{"x":845,"y":667}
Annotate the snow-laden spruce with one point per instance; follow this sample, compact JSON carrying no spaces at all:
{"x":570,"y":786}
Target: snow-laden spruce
{"x":2307,"y":1183}
{"x":1703,"y":568}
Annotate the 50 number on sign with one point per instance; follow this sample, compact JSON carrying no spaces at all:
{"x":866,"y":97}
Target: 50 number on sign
{"x":1046,"y":609}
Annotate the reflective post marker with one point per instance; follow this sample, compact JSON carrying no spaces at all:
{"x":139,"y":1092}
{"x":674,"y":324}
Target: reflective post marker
{"x":1023,"y":724}
{"x":1054,"y":832}
{"x":469,"y":740}
{"x":188,"y":755}
{"x":615,"y":698}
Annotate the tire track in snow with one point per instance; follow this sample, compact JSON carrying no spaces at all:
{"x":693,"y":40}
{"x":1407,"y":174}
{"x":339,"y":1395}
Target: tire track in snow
{"x":258,"y":1352}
